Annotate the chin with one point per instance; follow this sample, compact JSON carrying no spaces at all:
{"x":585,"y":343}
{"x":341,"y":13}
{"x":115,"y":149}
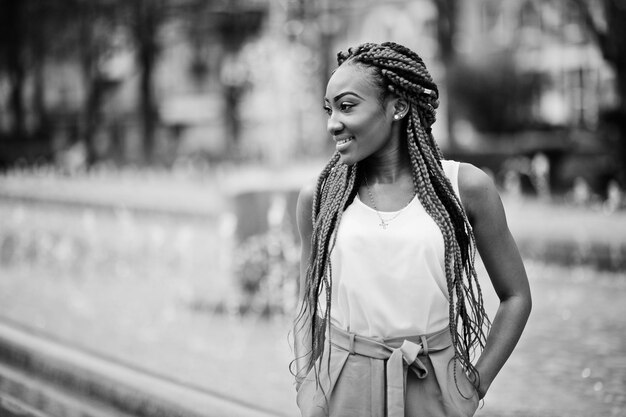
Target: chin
{"x":347,"y":159}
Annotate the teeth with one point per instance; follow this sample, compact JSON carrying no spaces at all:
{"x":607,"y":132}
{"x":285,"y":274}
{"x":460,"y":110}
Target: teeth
{"x":341,"y":142}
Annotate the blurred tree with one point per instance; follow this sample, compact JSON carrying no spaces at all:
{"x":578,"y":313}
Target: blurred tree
{"x":15,"y":20}
{"x":85,"y":34}
{"x":223,"y":29}
{"x":492,"y":94}
{"x":34,"y":33}
{"x":446,"y":32}
{"x":606,"y":20}
{"x":146,"y":18}
{"x":235,"y":26}
{"x":12,"y":17}
{"x":230,"y":23}
{"x":447,"y":27}
{"x":93,"y":38}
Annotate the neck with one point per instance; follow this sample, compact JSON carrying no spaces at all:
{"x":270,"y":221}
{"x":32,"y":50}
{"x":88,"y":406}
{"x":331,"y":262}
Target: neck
{"x":387,"y":171}
{"x":388,"y":166}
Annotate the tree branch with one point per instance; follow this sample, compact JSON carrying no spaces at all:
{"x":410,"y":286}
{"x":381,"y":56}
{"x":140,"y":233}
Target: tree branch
{"x":599,"y":35}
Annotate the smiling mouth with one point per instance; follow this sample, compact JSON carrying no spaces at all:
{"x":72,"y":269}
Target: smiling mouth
{"x":344,"y":141}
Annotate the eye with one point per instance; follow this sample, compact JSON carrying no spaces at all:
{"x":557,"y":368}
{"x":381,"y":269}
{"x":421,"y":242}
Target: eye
{"x":327,"y":110}
{"x":345,"y":106}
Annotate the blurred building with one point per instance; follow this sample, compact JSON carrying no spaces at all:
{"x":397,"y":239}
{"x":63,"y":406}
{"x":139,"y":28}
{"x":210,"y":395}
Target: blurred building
{"x":548,"y":41}
{"x":245,"y":78}
{"x":561,"y":80}
{"x":550,"y":89}
{"x":255,"y":100}
{"x":227,"y":80}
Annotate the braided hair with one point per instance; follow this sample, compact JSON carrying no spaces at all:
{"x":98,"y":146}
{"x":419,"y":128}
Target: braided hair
{"x":400,"y":71}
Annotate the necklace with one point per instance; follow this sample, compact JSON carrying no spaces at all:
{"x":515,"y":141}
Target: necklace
{"x":384,"y":223}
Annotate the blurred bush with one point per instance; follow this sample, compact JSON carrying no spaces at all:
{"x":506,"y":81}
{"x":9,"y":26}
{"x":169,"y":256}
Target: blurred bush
{"x":266,"y":271}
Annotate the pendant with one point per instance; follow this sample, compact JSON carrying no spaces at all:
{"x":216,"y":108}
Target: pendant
{"x":383,"y":224}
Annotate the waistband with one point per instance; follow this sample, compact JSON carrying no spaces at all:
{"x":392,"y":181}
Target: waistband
{"x":397,"y":351}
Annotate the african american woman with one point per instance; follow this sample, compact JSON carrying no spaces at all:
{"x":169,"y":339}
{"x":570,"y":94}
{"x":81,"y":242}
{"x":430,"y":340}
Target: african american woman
{"x":391,"y":319}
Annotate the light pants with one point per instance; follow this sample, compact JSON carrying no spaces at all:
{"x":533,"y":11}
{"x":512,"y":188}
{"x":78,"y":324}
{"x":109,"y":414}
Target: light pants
{"x":402,"y":377}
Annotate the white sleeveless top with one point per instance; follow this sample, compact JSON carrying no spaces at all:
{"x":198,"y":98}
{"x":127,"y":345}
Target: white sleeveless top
{"x":390,"y":282}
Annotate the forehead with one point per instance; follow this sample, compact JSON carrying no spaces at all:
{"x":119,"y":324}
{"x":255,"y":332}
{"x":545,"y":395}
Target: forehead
{"x":352,"y":78}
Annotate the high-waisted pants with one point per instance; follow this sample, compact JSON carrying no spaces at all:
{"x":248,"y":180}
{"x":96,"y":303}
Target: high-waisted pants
{"x":413,"y":376}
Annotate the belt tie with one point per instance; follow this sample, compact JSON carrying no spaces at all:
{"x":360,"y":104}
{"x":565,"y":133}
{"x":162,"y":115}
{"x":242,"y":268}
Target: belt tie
{"x":397,"y":372}
{"x":407,"y":352}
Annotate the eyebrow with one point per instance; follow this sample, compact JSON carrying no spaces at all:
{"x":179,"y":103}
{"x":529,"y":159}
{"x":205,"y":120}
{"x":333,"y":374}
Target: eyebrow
{"x":345,"y":93}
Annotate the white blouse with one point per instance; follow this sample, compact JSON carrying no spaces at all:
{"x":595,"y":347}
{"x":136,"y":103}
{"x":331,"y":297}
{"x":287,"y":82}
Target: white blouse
{"x":390,"y":282}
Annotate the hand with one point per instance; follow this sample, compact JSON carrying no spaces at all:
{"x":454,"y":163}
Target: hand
{"x":481,"y":388}
{"x":482,"y":391}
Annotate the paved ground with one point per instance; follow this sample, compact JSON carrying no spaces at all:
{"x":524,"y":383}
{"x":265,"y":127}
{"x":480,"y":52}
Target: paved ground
{"x":12,"y":407}
{"x":570,"y":361}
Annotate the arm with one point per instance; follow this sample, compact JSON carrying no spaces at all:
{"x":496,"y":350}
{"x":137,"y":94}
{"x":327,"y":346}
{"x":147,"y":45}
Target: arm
{"x":504,"y":266}
{"x":302,"y":333}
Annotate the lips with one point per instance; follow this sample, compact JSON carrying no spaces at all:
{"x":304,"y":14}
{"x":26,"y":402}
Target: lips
{"x":342,"y":144}
{"x":344,"y":140}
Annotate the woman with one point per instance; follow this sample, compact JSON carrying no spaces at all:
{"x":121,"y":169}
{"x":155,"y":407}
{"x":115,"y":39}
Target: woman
{"x":392,"y":315}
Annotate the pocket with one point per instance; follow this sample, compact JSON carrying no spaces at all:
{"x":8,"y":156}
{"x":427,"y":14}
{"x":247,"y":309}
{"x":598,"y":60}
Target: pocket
{"x":463,"y":392}
{"x":305,"y":395}
{"x":304,"y":391}
{"x":312,"y":397}
{"x":460,"y":398}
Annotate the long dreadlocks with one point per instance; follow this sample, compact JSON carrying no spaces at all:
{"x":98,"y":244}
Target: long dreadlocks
{"x":402,"y":72}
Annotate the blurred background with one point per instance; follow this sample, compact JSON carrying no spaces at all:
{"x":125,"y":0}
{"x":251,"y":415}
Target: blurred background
{"x":151,"y":152}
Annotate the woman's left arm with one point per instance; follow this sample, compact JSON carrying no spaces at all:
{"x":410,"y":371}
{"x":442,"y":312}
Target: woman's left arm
{"x":504,"y":266}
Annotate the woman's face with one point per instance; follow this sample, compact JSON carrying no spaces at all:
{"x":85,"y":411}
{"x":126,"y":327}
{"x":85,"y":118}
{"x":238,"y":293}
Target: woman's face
{"x":359,"y":124}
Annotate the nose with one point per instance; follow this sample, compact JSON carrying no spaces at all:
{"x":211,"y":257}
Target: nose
{"x":334,"y":125}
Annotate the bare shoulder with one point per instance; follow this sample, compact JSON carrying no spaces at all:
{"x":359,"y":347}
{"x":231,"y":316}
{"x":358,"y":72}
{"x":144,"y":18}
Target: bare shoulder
{"x":473,"y":180}
{"x":477,"y":189}
{"x":305,"y":208}
{"x":305,"y":197}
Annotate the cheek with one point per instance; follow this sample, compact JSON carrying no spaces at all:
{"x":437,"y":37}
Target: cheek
{"x":380,"y":129}
{"x":374,"y":124}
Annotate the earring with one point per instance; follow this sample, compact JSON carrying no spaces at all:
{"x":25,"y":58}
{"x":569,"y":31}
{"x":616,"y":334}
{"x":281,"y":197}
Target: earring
{"x":396,"y":117}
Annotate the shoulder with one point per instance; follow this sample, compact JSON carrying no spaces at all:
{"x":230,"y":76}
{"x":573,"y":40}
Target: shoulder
{"x":477,"y":190}
{"x":304,"y":209}
{"x":473,"y":180}
{"x":305,"y":197}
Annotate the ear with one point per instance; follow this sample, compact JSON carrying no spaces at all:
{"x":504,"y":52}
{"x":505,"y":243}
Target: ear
{"x":400,"y":108}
